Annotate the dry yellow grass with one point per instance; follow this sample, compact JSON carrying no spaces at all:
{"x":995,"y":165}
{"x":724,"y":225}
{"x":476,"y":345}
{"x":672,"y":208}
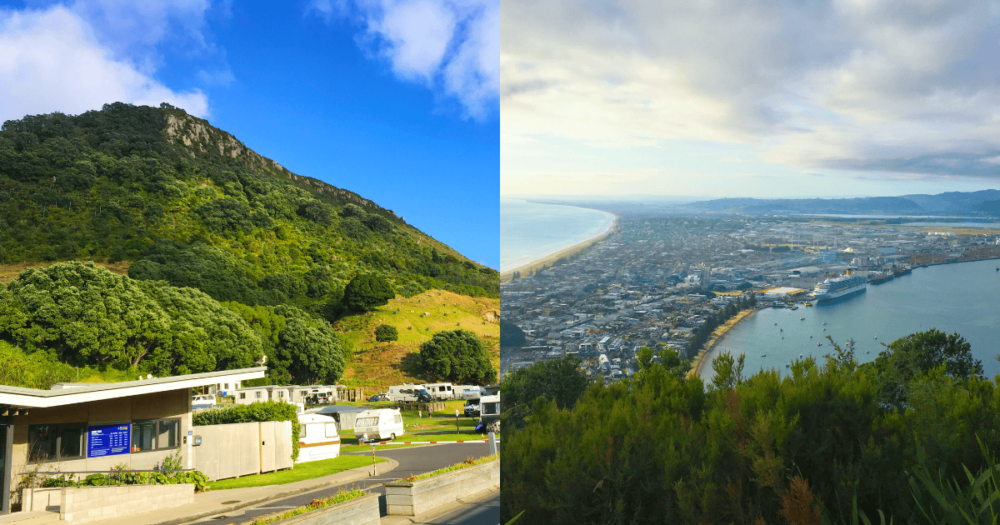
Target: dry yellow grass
{"x":376,"y":366}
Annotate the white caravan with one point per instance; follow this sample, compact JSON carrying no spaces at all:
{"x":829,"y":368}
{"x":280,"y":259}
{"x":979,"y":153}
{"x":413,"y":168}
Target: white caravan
{"x":383,"y":423}
{"x":318,"y":438}
{"x":440,"y":390}
{"x":404,"y":393}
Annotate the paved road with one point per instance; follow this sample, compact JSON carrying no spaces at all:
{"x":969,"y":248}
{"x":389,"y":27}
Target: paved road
{"x":485,"y":512}
{"x":412,"y":461}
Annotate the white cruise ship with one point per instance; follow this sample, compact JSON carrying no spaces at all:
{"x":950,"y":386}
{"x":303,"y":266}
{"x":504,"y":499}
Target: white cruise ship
{"x":839,"y":287}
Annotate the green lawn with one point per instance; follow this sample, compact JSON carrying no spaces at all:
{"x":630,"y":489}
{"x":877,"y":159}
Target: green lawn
{"x":302,"y":471}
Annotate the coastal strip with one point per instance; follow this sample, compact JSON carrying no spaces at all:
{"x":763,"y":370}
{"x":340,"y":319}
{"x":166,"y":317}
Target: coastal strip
{"x":549,"y":260}
{"x":706,"y":353}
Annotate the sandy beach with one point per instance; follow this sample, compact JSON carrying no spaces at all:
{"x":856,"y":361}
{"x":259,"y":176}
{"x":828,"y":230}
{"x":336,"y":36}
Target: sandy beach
{"x":708,"y":352}
{"x":548,"y":260}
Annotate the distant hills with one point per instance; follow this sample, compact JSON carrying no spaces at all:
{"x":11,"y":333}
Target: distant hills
{"x":986,"y":202}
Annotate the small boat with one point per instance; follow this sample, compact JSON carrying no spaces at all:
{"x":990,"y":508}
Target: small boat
{"x":819,"y":344}
{"x":763,"y":355}
{"x":824,"y":329}
{"x":775,"y":324}
{"x":800,"y":356}
{"x":876,"y":337}
{"x":824,"y":324}
{"x":781,"y":329}
{"x":787,"y":365}
{"x":810,"y":337}
{"x":868,"y":351}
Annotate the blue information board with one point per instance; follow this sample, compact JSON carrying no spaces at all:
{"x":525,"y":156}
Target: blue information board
{"x":108,"y":440}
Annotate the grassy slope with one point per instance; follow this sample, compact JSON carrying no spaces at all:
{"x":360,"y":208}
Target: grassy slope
{"x":376,"y":366}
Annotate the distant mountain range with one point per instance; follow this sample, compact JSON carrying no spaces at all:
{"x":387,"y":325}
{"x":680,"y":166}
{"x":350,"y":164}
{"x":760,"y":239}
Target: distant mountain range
{"x":978,"y":203}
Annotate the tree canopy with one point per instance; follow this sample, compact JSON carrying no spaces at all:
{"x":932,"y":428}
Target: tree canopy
{"x":386,"y":333}
{"x":87,"y":315}
{"x":559,"y":380}
{"x":367,"y":291}
{"x":457,"y":356}
{"x":815,"y":442}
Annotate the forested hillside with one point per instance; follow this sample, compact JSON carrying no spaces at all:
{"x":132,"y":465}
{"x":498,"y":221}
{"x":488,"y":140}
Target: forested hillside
{"x":229,"y":256}
{"x":189,"y":204}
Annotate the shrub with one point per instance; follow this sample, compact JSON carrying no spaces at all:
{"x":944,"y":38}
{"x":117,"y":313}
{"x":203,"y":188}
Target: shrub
{"x":385,"y":332}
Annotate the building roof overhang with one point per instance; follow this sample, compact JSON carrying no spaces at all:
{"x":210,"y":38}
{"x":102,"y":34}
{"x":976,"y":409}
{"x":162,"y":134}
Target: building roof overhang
{"x":70,"y":393}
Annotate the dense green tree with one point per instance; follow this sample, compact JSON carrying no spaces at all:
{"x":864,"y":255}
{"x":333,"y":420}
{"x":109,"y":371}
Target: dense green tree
{"x":366,"y":291}
{"x":86,"y":315}
{"x":457,"y":356}
{"x":919,"y":353}
{"x":558,"y":380}
{"x":511,"y":335}
{"x":386,"y":333}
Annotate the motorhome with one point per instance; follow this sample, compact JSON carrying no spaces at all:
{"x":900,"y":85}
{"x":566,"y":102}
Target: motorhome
{"x":318,"y":438}
{"x":460,"y":390}
{"x":383,"y":423}
{"x":474,"y":394}
{"x":489,"y":411}
{"x":440,"y":391}
{"x":404,"y":393}
{"x":203,"y":402}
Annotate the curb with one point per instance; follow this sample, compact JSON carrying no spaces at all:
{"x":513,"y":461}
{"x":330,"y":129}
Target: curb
{"x":431,"y":442}
{"x":356,"y":474}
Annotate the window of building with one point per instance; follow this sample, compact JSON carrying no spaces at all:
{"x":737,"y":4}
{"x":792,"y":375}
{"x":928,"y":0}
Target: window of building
{"x":155,"y":434}
{"x":281,"y":394}
{"x":56,"y":442}
{"x":227,"y":387}
{"x":258,"y":395}
{"x":331,"y":430}
{"x":302,"y":431}
{"x":243,"y":395}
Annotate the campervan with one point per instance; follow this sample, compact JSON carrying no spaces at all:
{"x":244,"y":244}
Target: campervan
{"x":203,"y":402}
{"x":318,"y":438}
{"x":489,"y":410}
{"x":404,"y":393}
{"x":440,"y":391}
{"x":384,"y":423}
{"x":474,"y":394}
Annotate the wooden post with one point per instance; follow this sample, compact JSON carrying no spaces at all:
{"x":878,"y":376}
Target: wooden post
{"x":374,"y":465}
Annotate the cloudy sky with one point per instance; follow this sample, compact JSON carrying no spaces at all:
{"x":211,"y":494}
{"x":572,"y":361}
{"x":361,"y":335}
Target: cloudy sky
{"x":757,"y":98}
{"x":396,"y":100}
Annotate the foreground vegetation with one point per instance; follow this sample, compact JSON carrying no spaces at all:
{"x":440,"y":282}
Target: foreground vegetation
{"x":909,"y":437}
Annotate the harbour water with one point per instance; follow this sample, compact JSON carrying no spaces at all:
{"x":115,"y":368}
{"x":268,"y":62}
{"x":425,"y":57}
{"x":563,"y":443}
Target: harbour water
{"x":530,"y":231}
{"x":959,"y":297}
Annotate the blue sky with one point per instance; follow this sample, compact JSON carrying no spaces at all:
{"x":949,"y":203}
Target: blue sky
{"x":394,"y":100}
{"x":752,"y":98}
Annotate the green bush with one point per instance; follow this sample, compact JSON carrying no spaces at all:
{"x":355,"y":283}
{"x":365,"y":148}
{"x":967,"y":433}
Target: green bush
{"x":366,"y":291}
{"x":385,"y":333}
{"x":254,"y":412}
{"x":458,"y":356}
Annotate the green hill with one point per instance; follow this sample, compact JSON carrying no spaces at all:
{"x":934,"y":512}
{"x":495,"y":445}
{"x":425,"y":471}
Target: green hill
{"x":208,"y":256}
{"x":181,"y":201}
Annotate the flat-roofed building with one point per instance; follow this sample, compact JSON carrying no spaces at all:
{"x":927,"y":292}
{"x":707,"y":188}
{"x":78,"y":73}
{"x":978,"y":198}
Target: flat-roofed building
{"x":76,"y":427}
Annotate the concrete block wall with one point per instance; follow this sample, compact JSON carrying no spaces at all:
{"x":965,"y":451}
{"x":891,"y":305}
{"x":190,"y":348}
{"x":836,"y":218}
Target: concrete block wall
{"x":358,"y":511}
{"x":87,"y":504}
{"x":410,"y":499}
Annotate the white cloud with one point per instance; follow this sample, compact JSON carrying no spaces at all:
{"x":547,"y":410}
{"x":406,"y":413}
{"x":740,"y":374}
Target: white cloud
{"x":906,"y":87}
{"x":51,"y":60}
{"x":452,"y":46}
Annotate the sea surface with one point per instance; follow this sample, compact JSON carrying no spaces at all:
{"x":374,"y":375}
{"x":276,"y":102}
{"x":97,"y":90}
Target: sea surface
{"x":960,"y":297}
{"x":530,"y":231}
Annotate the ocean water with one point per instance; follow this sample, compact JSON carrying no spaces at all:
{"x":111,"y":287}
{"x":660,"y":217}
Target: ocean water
{"x":530,"y":231}
{"x":960,"y":297}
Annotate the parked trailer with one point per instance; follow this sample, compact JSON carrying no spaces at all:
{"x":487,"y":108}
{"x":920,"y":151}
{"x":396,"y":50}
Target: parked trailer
{"x":318,"y":438}
{"x":383,"y":423}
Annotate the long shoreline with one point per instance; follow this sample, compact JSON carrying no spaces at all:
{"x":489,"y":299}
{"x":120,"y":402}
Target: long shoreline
{"x":706,"y":353}
{"x":548,"y":260}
